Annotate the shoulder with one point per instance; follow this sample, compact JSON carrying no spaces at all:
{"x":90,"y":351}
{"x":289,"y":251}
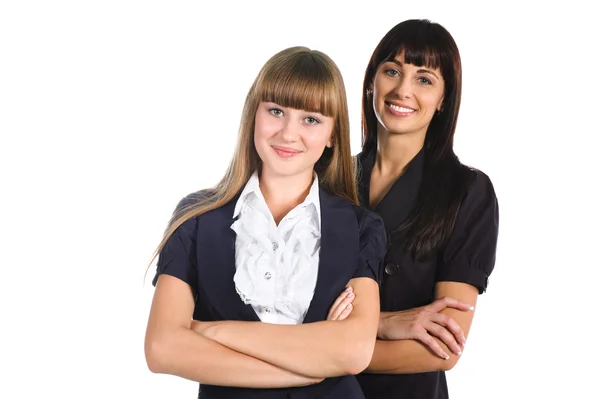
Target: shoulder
{"x":479,"y":181}
{"x":190,"y":203}
{"x":366,"y":217}
{"x":478,"y":212}
{"x":361,"y":159}
{"x":479,"y":187}
{"x":363,"y":215}
{"x":361,"y":156}
{"x":193,"y":199}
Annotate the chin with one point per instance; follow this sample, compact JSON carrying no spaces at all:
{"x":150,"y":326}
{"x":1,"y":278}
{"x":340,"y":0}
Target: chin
{"x":397,"y":129}
{"x":281,"y":169}
{"x":284,"y":169}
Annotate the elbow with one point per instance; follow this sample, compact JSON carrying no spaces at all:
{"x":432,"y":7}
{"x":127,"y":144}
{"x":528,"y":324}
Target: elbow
{"x":359,"y":355}
{"x":448,"y":364}
{"x":155,"y":351}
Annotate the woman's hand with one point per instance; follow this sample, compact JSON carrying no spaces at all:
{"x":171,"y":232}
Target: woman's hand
{"x":424,"y":323}
{"x":342,"y":307}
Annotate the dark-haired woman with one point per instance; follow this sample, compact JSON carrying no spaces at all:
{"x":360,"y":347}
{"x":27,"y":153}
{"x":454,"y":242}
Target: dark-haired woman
{"x":441,"y":216}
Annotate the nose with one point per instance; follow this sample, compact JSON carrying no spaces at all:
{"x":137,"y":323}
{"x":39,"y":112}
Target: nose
{"x":404,"y":88}
{"x":289,"y":131}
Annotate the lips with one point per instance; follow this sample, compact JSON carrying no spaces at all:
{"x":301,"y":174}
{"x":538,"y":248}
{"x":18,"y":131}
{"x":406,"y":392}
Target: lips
{"x":285,"y":152}
{"x":400,"y":110}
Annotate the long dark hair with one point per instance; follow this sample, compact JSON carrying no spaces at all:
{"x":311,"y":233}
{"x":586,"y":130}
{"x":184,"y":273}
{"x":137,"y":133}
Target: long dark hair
{"x":445,"y":179}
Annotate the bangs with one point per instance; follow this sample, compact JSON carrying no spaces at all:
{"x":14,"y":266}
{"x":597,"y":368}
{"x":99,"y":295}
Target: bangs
{"x":418,"y":52}
{"x":421,"y":43}
{"x":302,"y":82}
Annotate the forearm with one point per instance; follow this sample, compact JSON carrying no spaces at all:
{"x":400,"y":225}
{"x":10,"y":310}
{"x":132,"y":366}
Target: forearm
{"x":408,"y":356}
{"x":322,"y":349}
{"x":187,"y":354}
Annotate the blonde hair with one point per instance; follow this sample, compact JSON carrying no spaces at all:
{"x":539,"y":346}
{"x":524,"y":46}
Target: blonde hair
{"x":299,"y":78}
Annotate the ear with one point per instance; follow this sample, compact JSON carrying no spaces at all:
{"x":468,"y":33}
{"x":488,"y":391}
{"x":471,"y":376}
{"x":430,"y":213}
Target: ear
{"x":330,"y":141}
{"x":440,"y":106}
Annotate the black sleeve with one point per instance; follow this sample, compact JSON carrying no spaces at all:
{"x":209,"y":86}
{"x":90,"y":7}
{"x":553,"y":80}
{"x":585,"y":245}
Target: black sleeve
{"x":178,"y":256}
{"x":372,"y":245}
{"x":470,"y":254}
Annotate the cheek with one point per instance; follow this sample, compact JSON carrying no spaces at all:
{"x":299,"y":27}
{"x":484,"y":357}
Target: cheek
{"x":430,"y":101}
{"x":264,"y":128}
{"x":317,"y":141}
{"x":382,"y":85}
{"x":378,"y":91}
{"x":437,"y":98}
{"x":261,"y":138}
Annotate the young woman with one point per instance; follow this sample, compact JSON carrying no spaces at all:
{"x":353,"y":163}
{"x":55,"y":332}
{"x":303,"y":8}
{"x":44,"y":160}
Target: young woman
{"x":248,"y":271}
{"x":440,"y":215}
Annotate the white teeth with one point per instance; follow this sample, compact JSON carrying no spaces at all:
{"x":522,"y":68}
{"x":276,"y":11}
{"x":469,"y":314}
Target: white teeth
{"x":401,"y":109}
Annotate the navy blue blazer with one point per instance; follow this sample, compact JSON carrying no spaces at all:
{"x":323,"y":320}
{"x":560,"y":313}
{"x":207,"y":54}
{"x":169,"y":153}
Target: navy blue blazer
{"x":201,"y":252}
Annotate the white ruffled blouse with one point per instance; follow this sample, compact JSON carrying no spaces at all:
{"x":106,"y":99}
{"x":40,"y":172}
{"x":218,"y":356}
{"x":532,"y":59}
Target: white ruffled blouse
{"x":277,"y":265}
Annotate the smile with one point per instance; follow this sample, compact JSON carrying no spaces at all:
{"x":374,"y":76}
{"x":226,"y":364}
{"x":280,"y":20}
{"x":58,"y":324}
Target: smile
{"x":285,"y":152}
{"x":399,"y":110}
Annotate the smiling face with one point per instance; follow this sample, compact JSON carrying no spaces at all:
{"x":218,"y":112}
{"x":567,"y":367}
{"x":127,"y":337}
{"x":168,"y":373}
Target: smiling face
{"x":406,"y":96}
{"x":290,"y":141}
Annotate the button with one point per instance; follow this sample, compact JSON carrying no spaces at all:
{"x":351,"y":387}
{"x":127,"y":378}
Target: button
{"x":275,"y":246}
{"x":268,"y":310}
{"x":391,"y":269}
{"x":267,"y":276}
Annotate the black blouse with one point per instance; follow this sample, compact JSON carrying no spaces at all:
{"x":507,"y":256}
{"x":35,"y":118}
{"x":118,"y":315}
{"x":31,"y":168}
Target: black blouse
{"x":468,"y":257}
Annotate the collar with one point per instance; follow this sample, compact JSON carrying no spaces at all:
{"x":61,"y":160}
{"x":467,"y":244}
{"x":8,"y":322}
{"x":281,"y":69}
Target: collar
{"x":400,"y":199}
{"x":252,"y":188}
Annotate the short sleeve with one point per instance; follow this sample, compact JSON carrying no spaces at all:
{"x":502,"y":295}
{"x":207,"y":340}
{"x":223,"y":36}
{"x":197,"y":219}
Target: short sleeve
{"x":470,"y":254}
{"x":372,"y":245}
{"x":178,"y":256}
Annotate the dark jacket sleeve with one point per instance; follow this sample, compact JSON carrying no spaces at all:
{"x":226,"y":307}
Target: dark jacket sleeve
{"x":470,"y":254}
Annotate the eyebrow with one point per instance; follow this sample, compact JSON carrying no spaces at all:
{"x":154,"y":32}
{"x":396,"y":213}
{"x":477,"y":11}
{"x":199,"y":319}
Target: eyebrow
{"x":420,"y":70}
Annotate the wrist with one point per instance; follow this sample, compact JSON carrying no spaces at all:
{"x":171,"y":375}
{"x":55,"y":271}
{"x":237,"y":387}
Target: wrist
{"x":382,"y":327}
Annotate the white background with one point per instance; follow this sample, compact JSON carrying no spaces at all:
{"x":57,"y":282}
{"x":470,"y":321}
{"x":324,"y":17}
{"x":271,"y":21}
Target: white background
{"x":111,"y":111}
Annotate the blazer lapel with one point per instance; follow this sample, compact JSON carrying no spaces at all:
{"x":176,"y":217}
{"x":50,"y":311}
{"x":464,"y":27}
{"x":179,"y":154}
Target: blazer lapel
{"x":338,"y":255}
{"x":216,"y":264}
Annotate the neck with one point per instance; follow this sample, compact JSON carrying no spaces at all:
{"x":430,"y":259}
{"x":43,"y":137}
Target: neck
{"x":284,"y":193}
{"x":395,"y":151}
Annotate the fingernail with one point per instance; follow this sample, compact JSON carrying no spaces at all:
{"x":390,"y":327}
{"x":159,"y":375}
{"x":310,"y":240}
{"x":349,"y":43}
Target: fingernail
{"x":471,"y":307}
{"x":348,"y":289}
{"x":459,"y":352}
{"x":350,"y":294}
{"x":446,"y":357}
